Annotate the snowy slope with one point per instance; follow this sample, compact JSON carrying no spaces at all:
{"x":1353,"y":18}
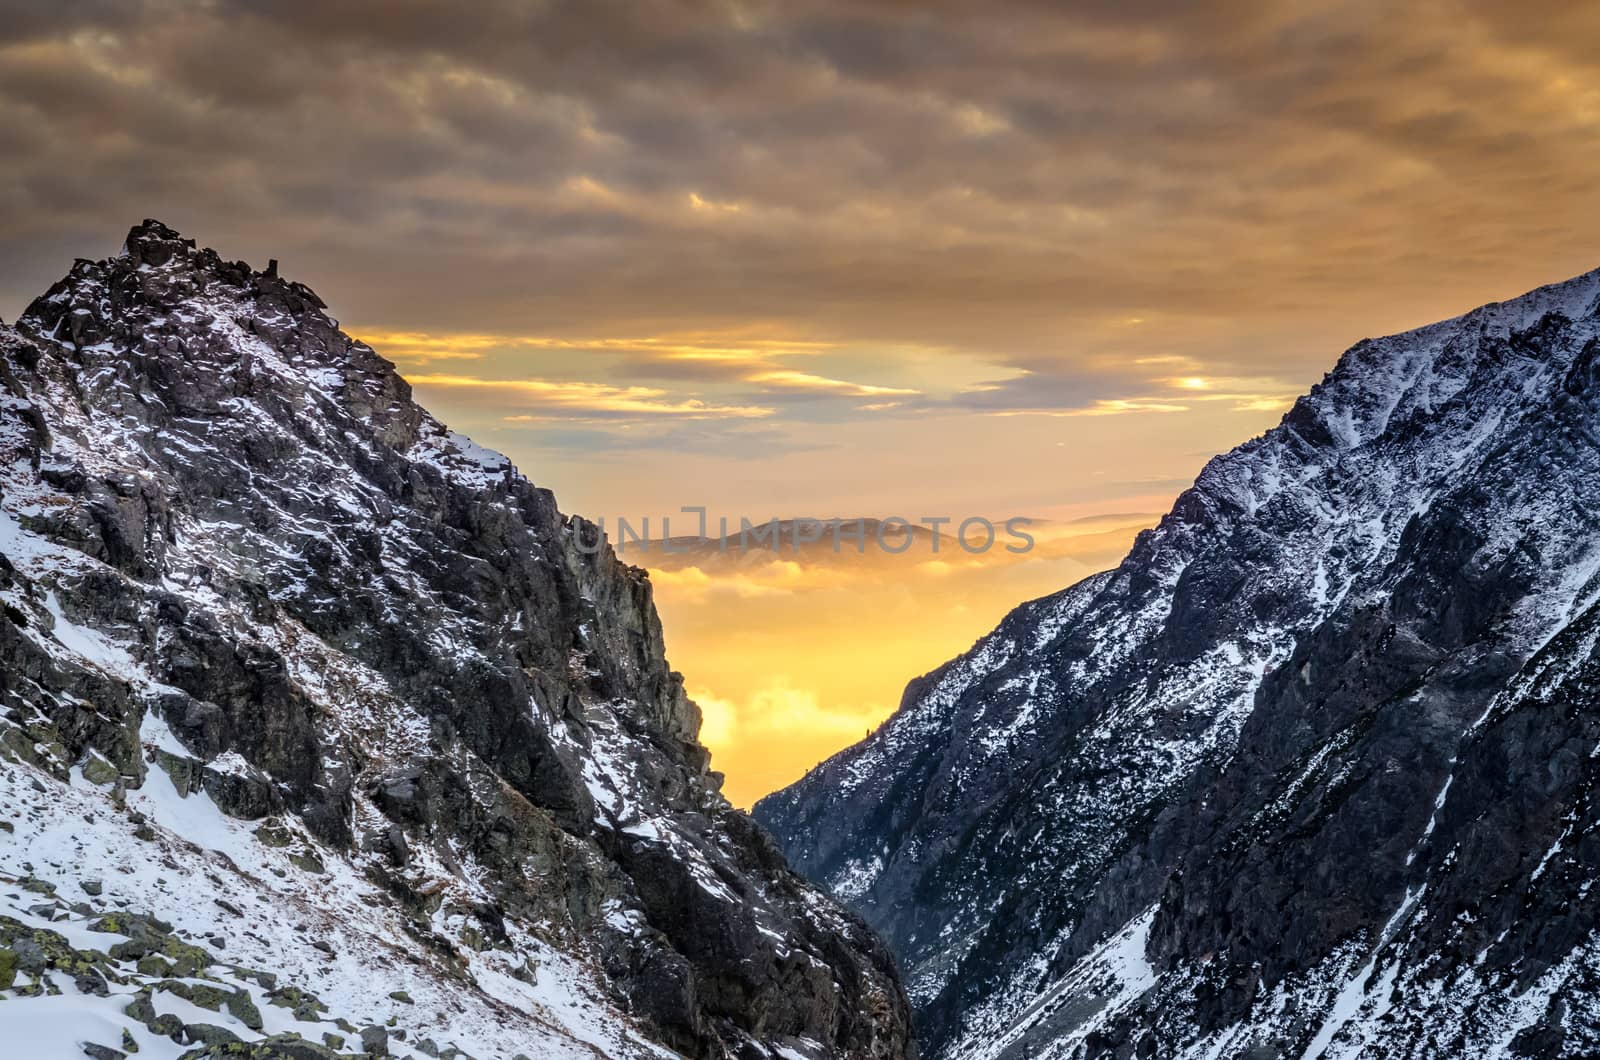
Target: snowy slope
{"x":1243,"y":730}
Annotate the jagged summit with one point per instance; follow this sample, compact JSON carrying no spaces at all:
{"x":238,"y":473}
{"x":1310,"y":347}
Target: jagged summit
{"x":274,"y":636}
{"x":151,"y":242}
{"x":155,"y":244}
{"x":1217,"y":800}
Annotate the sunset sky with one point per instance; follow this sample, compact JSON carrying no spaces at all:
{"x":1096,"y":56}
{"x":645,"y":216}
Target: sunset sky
{"x":813,"y":258}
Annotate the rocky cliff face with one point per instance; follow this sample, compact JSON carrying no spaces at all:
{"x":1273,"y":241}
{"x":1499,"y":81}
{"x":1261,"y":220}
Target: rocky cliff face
{"x":294,"y":668}
{"x":1310,"y":773}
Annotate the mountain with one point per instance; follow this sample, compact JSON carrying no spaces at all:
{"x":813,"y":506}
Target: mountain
{"x":319,"y":734}
{"x":1310,"y":773}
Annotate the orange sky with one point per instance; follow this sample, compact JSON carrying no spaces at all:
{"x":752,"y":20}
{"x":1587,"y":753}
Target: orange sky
{"x":795,"y":655}
{"x":824,"y":257}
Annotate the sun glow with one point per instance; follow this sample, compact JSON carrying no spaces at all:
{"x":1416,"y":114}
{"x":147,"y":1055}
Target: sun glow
{"x":771,"y":645}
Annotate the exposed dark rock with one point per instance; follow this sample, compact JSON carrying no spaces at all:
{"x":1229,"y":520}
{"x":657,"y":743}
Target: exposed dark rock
{"x":375,"y":1041}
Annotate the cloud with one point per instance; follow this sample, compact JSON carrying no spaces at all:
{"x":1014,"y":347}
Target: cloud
{"x":415,"y":347}
{"x":736,"y":348}
{"x":619,"y":441}
{"x":747,"y":367}
{"x":784,"y":379}
{"x":587,"y":400}
{"x":1103,"y":407}
{"x":1113,"y":387}
{"x":1066,"y":191}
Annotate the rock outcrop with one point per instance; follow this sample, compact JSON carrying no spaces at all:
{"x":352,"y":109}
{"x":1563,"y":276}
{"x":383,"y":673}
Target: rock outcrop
{"x":293,"y":636}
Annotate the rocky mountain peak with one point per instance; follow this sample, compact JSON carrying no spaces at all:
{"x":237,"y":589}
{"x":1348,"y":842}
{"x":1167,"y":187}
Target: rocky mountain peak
{"x":343,"y":668}
{"x":153,"y":243}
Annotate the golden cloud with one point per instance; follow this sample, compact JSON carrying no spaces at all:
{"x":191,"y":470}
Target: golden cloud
{"x":1101,"y":407}
{"x":597,"y":398}
{"x":790,"y":380}
{"x":419,"y":346}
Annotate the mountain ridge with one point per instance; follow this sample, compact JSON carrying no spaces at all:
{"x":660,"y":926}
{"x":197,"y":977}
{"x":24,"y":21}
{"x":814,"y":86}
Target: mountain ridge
{"x":270,"y":623}
{"x":1136,"y":808}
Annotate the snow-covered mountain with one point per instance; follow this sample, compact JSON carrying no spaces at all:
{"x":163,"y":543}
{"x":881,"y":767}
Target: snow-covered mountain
{"x":1311,"y":773}
{"x":318,"y":732}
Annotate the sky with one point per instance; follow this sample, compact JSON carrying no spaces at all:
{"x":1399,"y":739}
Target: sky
{"x":871,"y":258}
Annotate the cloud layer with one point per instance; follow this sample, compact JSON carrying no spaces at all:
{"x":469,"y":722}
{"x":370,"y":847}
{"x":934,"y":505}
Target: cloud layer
{"x":807,"y":211}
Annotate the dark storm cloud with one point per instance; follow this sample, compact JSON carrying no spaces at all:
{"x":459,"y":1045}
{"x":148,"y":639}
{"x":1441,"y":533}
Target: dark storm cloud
{"x":1059,"y":189}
